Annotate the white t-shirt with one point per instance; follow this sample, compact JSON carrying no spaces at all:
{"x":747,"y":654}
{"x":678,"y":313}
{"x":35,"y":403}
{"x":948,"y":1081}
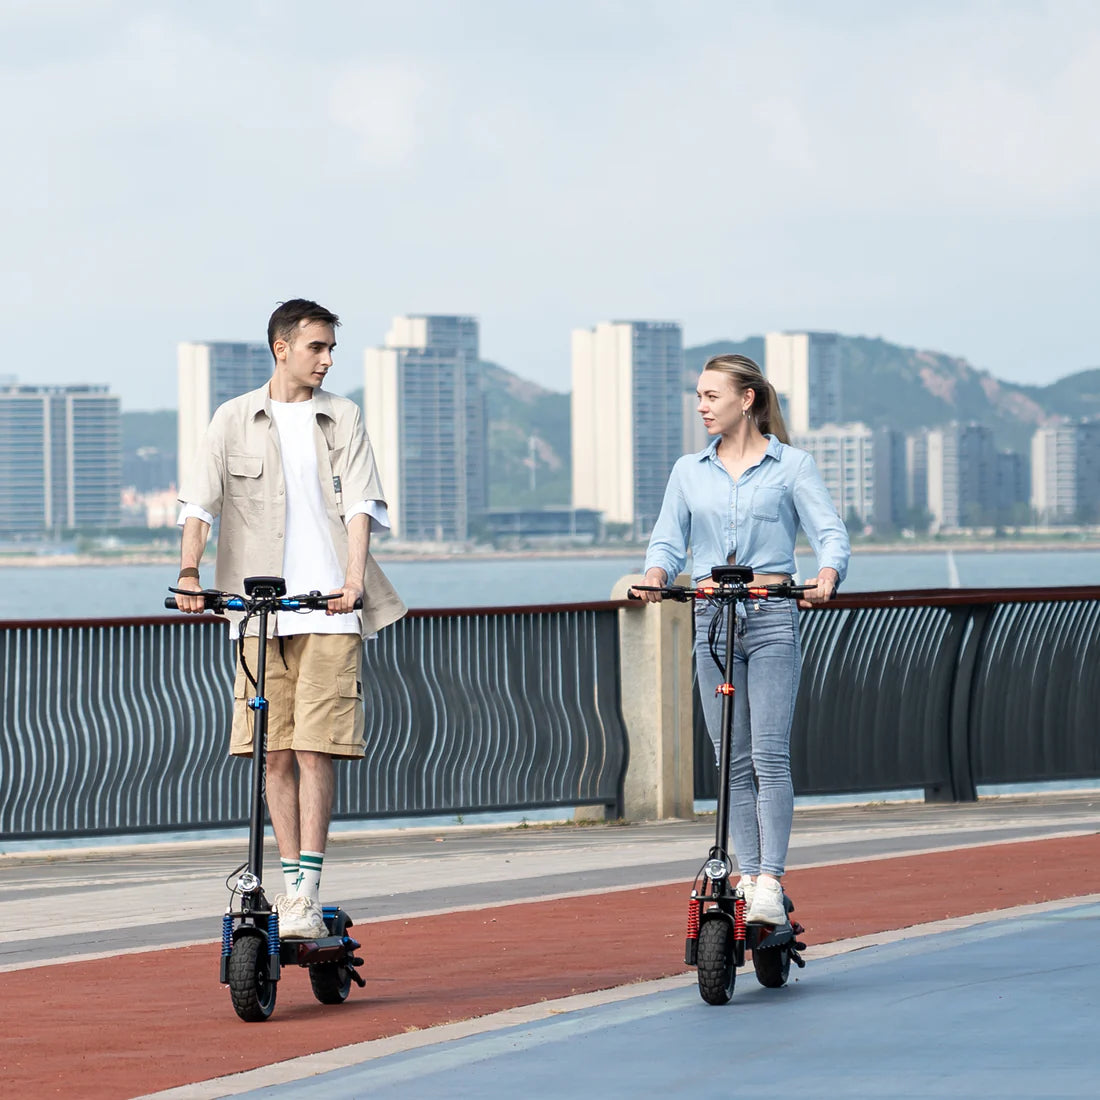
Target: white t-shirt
{"x":309,"y":557}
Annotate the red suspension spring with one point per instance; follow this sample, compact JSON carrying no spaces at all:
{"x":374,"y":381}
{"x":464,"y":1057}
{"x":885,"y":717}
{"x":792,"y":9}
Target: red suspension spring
{"x":694,"y":906}
{"x":739,"y":930}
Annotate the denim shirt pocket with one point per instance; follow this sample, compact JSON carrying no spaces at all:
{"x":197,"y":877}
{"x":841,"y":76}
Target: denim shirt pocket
{"x":765,"y":502}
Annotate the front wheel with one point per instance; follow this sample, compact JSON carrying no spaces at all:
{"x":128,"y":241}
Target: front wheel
{"x":252,"y":991}
{"x":772,"y":966}
{"x":714,"y":962}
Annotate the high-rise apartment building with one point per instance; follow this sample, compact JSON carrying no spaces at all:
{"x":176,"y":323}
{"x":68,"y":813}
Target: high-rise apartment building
{"x":627,"y":413}
{"x":60,"y":458}
{"x":1065,"y":472}
{"x":694,"y":435}
{"x":961,"y":476}
{"x":209,"y":374}
{"x":426,"y":413}
{"x":804,"y":368}
{"x":845,"y":457}
{"x":916,"y":476}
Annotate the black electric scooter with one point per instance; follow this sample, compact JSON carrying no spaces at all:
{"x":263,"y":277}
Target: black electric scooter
{"x":252,"y":952}
{"x":717,"y":934}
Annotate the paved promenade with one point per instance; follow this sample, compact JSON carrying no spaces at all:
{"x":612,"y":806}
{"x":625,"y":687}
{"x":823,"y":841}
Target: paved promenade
{"x":953,"y":953}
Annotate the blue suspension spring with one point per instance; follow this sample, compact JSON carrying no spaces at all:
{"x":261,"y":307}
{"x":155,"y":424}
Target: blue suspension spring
{"x":227,"y":936}
{"x":273,"y":933}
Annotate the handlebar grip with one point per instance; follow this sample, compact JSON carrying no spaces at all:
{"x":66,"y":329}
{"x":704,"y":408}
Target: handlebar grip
{"x":632,"y":595}
{"x":170,"y":603}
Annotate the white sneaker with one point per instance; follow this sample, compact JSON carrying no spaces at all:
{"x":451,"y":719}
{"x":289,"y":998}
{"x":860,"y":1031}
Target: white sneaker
{"x":300,"y":918}
{"x":767,"y":903}
{"x":748,"y":888}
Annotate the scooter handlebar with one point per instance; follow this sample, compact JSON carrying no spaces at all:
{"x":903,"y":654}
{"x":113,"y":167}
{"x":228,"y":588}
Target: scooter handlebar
{"x":227,"y":601}
{"x":784,"y":590}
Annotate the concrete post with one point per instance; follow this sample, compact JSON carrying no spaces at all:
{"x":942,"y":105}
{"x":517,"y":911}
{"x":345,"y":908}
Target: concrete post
{"x":655,"y":645}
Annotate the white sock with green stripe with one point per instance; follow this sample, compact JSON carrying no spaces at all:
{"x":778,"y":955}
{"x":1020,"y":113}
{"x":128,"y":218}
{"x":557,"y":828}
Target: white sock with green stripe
{"x":292,"y":875}
{"x":310,"y":884}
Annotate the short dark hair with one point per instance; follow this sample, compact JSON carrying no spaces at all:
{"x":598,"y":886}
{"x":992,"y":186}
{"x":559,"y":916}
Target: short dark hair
{"x":284,"y":322}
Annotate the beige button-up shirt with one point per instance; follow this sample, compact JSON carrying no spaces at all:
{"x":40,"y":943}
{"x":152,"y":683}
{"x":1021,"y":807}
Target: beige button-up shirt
{"x":239,"y":476}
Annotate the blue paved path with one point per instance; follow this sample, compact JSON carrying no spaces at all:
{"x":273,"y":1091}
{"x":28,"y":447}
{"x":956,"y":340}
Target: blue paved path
{"x":1006,"y":1009}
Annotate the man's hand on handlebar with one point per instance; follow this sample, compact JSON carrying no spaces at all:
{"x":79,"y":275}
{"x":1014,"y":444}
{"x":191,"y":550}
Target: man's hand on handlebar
{"x":655,"y":578}
{"x":349,"y":594}
{"x":193,"y":605}
{"x":824,"y":587}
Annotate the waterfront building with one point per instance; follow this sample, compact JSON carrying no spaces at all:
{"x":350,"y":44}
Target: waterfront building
{"x":627,"y":414}
{"x":552,"y":524}
{"x":1065,"y":472}
{"x":961,"y":476}
{"x":60,"y":458}
{"x":804,"y":368}
{"x":427,"y":417}
{"x":208,"y":375}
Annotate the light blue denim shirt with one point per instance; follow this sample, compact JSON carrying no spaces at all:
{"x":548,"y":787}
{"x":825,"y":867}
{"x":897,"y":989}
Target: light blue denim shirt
{"x":755,"y":518}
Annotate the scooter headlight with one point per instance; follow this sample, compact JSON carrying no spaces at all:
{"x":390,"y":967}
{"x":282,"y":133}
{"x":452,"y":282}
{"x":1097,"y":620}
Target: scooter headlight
{"x":248,"y":883}
{"x":716,"y":870}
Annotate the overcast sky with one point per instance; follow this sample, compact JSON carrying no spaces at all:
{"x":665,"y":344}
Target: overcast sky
{"x":927,"y":172}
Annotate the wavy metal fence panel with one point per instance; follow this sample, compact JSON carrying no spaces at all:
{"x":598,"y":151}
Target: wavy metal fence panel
{"x":123,"y":726}
{"x":942,"y":691}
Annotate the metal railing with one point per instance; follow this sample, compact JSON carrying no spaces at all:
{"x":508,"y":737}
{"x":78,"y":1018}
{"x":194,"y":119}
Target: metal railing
{"x":943,"y":690}
{"x":115,"y":726}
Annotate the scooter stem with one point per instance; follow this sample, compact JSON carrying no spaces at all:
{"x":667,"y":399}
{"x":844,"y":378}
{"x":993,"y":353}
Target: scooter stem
{"x":259,"y":744}
{"x":725,"y":747}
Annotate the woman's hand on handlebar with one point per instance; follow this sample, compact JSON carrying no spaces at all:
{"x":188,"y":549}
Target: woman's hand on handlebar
{"x":656,"y":578}
{"x":825,"y":586}
{"x":349,"y":594}
{"x":193,"y":605}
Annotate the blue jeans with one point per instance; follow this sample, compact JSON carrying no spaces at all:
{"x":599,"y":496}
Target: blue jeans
{"x":767,"y":664}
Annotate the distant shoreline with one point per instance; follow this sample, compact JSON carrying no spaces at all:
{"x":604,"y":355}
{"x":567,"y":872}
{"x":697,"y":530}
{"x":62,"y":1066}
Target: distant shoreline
{"x":171,"y":558}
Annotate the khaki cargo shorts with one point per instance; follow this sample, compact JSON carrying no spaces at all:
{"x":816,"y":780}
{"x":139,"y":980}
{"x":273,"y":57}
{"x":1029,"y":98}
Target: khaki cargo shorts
{"x":314,"y":690}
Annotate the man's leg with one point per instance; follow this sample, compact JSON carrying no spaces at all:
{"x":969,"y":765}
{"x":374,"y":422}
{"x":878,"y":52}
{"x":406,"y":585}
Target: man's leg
{"x":283,"y":802}
{"x":316,"y":788}
{"x":315,"y":793}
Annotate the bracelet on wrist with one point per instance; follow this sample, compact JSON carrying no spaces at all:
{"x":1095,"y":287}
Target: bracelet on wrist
{"x":190,"y":571}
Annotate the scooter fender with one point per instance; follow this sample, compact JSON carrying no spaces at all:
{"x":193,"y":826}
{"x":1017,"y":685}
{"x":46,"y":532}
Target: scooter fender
{"x":738,"y":945}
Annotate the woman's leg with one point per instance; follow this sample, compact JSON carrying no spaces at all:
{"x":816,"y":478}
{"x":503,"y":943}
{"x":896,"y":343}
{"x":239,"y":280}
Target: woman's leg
{"x":773,"y":668}
{"x":744,"y":830}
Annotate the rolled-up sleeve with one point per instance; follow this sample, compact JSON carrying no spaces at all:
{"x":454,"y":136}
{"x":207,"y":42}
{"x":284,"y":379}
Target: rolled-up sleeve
{"x":817,"y":515}
{"x":671,"y":536}
{"x":204,"y":484}
{"x":359,"y":472}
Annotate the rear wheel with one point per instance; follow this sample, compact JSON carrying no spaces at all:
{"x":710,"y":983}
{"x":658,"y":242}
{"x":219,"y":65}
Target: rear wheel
{"x":252,"y":990}
{"x":714,"y":965}
{"x":772,"y":966}
{"x":331,"y":982}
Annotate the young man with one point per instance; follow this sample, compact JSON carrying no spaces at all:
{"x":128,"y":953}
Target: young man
{"x":291,"y":472}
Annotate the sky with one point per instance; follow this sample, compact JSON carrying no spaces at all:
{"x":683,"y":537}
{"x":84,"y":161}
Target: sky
{"x":924,"y":172}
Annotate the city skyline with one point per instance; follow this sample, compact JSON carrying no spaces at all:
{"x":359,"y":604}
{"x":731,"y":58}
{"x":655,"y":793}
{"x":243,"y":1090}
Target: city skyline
{"x":917,"y":172}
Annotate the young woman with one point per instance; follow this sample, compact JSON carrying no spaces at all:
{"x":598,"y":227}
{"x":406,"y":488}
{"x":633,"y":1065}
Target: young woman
{"x":741,"y":501}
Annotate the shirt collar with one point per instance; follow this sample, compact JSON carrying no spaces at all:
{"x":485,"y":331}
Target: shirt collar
{"x":259,"y":401}
{"x":710,"y":451}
